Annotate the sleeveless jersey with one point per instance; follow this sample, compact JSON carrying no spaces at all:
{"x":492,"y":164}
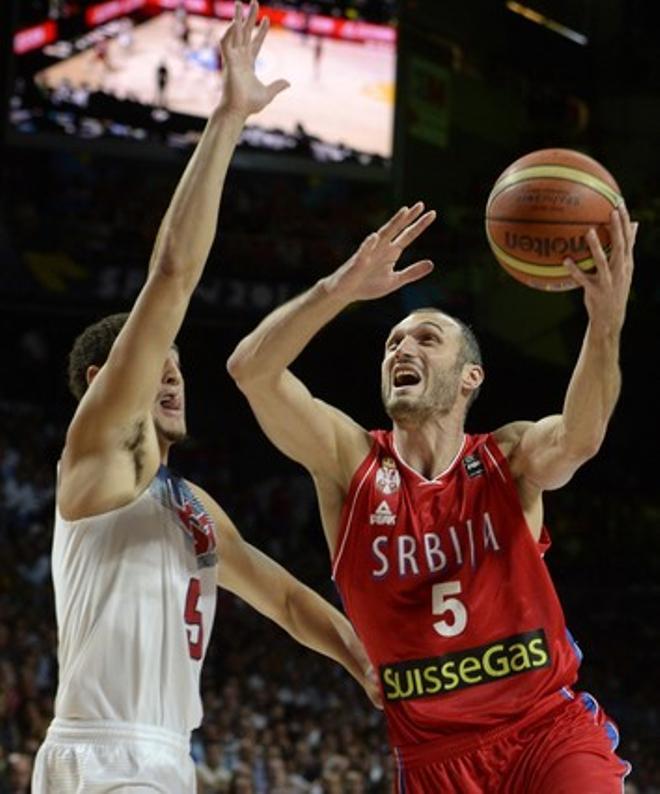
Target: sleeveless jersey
{"x":448,"y":590}
{"x":135,"y":593}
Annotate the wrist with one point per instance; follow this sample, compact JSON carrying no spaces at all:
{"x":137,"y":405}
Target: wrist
{"x":331,"y":292}
{"x":227,"y":112}
{"x":605,"y":333}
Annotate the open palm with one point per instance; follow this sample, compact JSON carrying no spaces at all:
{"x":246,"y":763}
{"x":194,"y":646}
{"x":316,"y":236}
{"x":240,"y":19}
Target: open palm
{"x":240,"y":46}
{"x":370,"y":272}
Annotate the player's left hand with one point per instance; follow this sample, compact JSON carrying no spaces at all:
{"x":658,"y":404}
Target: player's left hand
{"x":607,"y":289}
{"x":372,"y":687}
{"x":243,"y":92}
{"x":369,"y":680}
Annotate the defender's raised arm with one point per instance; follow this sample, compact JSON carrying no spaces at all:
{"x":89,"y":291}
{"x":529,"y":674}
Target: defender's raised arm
{"x":113,"y":421}
{"x":184,"y":240}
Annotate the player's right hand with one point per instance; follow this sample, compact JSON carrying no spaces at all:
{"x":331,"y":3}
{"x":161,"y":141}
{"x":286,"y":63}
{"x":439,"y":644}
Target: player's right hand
{"x":370,"y":272}
{"x":242,"y":91}
{"x":606,"y":290}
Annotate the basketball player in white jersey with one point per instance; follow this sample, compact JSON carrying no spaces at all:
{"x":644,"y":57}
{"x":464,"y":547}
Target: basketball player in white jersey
{"x":138,"y":551}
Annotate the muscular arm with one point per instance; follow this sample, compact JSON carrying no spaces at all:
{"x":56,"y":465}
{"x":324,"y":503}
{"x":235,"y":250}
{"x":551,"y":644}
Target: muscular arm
{"x":303,"y":427}
{"x":320,"y":437}
{"x":547,"y":453}
{"x":271,"y":590}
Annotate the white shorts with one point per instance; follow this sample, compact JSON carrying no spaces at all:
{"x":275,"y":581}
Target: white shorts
{"x":103,"y":757}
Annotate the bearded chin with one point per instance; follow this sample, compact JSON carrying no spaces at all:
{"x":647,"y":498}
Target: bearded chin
{"x":414,"y":412}
{"x":408,"y":411}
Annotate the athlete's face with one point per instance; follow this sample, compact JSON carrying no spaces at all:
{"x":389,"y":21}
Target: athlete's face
{"x":422,"y":367}
{"x":169,"y":408}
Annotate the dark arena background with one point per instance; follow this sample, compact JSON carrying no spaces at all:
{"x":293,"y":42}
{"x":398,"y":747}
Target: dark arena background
{"x":389,"y":103}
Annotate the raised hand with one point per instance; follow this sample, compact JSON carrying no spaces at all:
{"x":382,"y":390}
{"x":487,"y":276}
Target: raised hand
{"x":240,"y":46}
{"x":370,"y":272}
{"x":606,"y":291}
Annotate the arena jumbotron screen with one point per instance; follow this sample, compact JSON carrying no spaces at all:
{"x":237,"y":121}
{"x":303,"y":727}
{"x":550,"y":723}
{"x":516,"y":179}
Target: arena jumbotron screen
{"x":149,"y":72}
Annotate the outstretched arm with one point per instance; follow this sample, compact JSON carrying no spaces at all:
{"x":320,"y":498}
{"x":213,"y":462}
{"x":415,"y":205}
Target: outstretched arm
{"x":307,"y":617}
{"x":304,"y":428}
{"x":189,"y":226}
{"x":547,"y":453}
{"x":180,"y":252}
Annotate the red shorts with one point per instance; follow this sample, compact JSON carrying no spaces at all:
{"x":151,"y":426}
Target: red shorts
{"x":569,"y":750}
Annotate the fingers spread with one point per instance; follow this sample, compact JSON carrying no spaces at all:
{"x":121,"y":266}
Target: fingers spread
{"x":398,"y":222}
{"x":228,"y":37}
{"x":248,"y":27}
{"x":260,"y":36}
{"x":578,"y":275}
{"x":619,"y":246}
{"x":414,"y":272}
{"x":413,"y":231}
{"x":276,"y":87}
{"x":624,"y":218}
{"x":597,"y":252}
{"x":369,"y":243}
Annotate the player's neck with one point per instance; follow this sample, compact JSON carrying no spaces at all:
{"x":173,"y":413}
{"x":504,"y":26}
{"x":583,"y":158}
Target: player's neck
{"x":164,"y":450}
{"x":431,"y":447}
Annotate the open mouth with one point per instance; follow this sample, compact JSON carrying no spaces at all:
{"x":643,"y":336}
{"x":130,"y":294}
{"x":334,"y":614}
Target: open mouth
{"x":170,"y":403}
{"x":405,"y":377}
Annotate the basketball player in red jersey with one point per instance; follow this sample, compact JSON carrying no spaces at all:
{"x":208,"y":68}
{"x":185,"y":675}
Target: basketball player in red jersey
{"x":137,"y":550}
{"x":437,"y":537}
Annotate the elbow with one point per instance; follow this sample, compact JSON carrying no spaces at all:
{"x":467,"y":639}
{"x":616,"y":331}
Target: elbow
{"x":172,"y":268}
{"x":287,"y":609}
{"x":585,"y":449}
{"x":243,"y":368}
{"x":237,"y":366}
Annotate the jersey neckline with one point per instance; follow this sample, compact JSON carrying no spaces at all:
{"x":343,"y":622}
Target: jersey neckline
{"x":438,"y":477}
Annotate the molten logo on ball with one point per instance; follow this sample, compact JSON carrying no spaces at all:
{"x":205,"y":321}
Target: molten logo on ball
{"x":575,"y":247}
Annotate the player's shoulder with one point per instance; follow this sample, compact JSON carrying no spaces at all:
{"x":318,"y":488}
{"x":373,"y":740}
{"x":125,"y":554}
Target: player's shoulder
{"x":507,"y":437}
{"x":220,"y":518}
{"x":226,"y":534}
{"x":202,"y":495}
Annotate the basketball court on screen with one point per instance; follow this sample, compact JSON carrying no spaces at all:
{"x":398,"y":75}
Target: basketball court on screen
{"x":341,"y":91}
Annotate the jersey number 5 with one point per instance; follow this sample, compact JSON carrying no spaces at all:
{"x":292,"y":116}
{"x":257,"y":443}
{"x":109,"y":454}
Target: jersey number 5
{"x":193,"y":619}
{"x":442,"y":604}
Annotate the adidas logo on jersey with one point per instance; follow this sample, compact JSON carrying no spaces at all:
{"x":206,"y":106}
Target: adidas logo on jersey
{"x":383,"y":515}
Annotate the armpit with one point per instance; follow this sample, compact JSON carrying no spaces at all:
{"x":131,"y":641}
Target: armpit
{"x":135,"y":444}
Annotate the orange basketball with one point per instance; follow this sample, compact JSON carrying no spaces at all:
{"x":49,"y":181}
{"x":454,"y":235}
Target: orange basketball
{"x":540,"y":210}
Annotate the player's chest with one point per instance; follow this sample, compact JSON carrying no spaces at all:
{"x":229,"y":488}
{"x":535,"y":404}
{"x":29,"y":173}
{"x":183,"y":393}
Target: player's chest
{"x":426,"y":529}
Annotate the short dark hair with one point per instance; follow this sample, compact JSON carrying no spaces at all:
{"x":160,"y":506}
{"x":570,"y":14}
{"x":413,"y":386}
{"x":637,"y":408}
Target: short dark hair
{"x":92,"y":348}
{"x":470,"y":352}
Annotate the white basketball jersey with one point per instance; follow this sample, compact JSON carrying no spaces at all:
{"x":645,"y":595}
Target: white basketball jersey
{"x":135,"y":593}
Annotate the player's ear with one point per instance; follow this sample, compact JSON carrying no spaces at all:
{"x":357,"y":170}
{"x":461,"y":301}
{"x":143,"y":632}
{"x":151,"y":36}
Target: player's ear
{"x":473,"y":376}
{"x":91,"y":372}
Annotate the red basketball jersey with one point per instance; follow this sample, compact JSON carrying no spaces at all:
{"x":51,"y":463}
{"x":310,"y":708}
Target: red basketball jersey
{"x":448,"y":590}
